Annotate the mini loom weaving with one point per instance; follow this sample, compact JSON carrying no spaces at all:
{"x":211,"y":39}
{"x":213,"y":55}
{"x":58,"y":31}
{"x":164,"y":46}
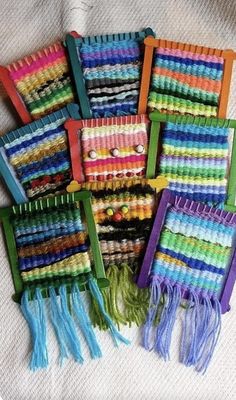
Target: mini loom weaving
{"x":190,"y":257}
{"x":107,"y":72}
{"x":123,"y":212}
{"x":108,"y":148}
{"x":185,"y":79}
{"x":53,"y":250}
{"x":39,"y":83}
{"x":194,"y":156}
{"x":108,"y":155}
{"x":34,"y":159}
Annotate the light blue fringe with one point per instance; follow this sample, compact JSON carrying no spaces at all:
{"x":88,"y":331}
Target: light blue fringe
{"x":95,"y":292}
{"x":85,"y":323}
{"x":64,"y":326}
{"x":35,"y":317}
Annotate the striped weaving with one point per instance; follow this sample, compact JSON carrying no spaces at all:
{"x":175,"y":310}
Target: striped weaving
{"x":43,"y":81}
{"x":41,"y":158}
{"x":115,"y":149}
{"x":194,"y":159}
{"x":194,"y":251}
{"x":185,"y":83}
{"x":123,"y":218}
{"x":112,"y":73}
{"x":51,"y":245}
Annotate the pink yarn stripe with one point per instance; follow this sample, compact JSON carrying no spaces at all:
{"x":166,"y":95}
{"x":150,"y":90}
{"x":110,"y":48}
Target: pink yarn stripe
{"x":43,"y":62}
{"x":193,"y":56}
{"x":114,"y":141}
{"x":116,"y":160}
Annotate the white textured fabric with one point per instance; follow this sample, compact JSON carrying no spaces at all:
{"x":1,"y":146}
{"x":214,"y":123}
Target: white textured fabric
{"x":128,"y":372}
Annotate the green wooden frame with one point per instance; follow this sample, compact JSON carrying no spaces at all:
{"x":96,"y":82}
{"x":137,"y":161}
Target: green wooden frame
{"x":157,"y":119}
{"x":39,"y":205}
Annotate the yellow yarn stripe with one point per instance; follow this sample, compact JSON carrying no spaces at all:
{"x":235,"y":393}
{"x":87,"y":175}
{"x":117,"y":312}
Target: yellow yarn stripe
{"x":31,"y":82}
{"x":116,"y":129}
{"x":46,"y":149}
{"x":74,"y":265}
{"x":184,"y":151}
{"x":169,"y":259}
{"x":195,"y":180}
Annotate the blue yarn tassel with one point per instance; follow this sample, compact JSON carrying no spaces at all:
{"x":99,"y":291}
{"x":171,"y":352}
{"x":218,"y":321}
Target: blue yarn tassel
{"x":168,"y":316}
{"x":64,"y":325}
{"x":95,"y":292}
{"x":211,"y":339}
{"x":58,"y":324}
{"x":201,"y":330}
{"x":85,"y":323}
{"x":37,"y":326}
{"x":152,"y":312}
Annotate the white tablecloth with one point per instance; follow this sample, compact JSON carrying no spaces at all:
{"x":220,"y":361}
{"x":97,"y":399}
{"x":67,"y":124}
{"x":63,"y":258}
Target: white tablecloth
{"x":127,"y":372}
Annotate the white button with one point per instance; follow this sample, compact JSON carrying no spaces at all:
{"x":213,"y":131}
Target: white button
{"x":139,"y":148}
{"x":115,"y":152}
{"x":93,"y":154}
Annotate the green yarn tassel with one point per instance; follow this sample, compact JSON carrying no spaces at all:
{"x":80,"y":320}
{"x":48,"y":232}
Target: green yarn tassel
{"x":124,"y":301}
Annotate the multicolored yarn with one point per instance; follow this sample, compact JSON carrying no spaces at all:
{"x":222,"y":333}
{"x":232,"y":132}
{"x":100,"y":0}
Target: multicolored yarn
{"x":123,"y":215}
{"x":39,"y":156}
{"x":51,"y":245}
{"x":43,"y":80}
{"x":191,"y":262}
{"x":114,"y":147}
{"x":53,"y":257}
{"x":194,"y":159}
{"x":112,"y":73}
{"x":185,"y":83}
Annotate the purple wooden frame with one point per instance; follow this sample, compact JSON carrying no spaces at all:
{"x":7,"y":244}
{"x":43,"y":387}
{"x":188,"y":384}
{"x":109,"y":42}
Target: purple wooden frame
{"x":167,"y":199}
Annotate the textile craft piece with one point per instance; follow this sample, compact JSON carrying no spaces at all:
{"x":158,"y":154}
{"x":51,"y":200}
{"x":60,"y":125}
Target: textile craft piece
{"x":110,"y":148}
{"x":185,"y":79}
{"x":109,"y":67}
{"x":123,"y":212}
{"x":191,"y":256}
{"x":194,"y":156}
{"x":42,"y":81}
{"x":35,"y":159}
{"x":53,"y":250}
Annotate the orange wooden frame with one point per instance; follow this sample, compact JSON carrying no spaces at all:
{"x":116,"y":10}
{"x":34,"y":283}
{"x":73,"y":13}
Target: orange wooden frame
{"x":152,"y":43}
{"x":15,"y":97}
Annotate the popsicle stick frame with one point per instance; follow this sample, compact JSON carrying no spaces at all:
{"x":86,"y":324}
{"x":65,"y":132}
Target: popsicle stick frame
{"x":40,"y":83}
{"x":184,"y":78}
{"x":34,"y":159}
{"x":192,"y":153}
{"x":196,"y":210}
{"x":108,"y":148}
{"x":36,"y":208}
{"x":107,"y":72}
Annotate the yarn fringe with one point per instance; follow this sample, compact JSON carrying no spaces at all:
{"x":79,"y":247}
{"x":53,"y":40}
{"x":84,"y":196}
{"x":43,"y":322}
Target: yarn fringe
{"x":65,"y":310}
{"x":35,"y":316}
{"x":98,"y":298}
{"x":124,"y":301}
{"x":200,"y":330}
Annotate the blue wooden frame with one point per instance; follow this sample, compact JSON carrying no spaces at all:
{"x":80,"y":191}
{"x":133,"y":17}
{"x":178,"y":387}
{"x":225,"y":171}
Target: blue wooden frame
{"x":73,"y":44}
{"x":7,"y":173}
